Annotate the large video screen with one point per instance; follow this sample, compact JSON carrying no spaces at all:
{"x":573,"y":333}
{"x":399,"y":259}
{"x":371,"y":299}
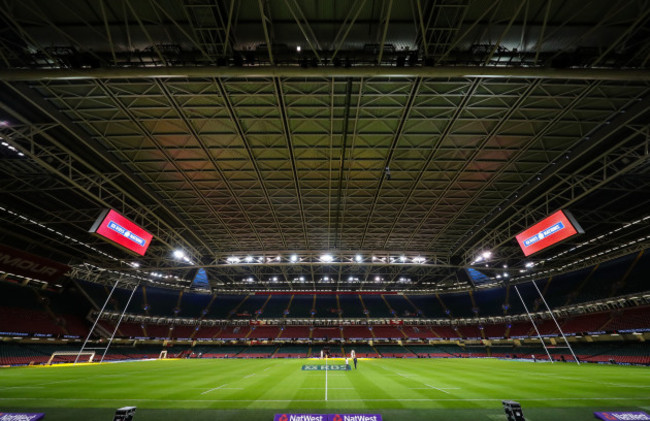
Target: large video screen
{"x":548,"y":232}
{"x":118,"y":229}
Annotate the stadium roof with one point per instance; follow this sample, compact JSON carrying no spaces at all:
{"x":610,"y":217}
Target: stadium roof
{"x":384,"y":144}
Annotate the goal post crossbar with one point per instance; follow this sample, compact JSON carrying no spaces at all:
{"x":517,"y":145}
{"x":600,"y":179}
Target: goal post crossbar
{"x":74,"y":353}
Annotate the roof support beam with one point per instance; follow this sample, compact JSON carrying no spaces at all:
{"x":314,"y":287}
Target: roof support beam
{"x":340,"y":72}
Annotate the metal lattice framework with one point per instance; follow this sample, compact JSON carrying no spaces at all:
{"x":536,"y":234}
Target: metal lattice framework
{"x":401,"y":138}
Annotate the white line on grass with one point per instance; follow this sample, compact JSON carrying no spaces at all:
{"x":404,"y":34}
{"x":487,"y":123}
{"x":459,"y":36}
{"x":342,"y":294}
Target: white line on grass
{"x":326,"y":378}
{"x":442,"y":389}
{"x":250,"y":375}
{"x":432,"y":387}
{"x":216,"y":388}
{"x":608,"y":398}
{"x":577,"y":379}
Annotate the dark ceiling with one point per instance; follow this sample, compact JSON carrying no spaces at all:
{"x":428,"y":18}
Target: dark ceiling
{"x":403,"y":138}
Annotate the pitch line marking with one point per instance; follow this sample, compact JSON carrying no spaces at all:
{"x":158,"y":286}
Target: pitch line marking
{"x":326,"y":378}
{"x":432,"y":387}
{"x":442,"y":389}
{"x":608,"y":398}
{"x":250,"y":375}
{"x":216,"y":388}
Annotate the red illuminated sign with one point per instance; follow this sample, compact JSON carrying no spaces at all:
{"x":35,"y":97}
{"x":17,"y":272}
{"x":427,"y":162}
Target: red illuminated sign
{"x":551,"y":230}
{"x":26,"y":264}
{"x":120,"y":230}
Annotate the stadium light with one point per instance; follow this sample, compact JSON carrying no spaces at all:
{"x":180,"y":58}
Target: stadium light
{"x":486,"y":254}
{"x":249,"y":259}
{"x":327,"y":258}
{"x":358,"y":258}
{"x":233,"y":259}
{"x":293,"y":258}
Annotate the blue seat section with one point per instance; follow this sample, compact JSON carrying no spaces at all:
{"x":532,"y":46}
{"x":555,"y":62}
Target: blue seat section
{"x":528,"y":293}
{"x":96,"y":292}
{"x":276,"y":306}
{"x":560,"y":287}
{"x":301,"y":306}
{"x":121,"y":297}
{"x":459,"y":304}
{"x":428,"y":305}
{"x":161,"y":302}
{"x":67,"y":301}
{"x":490,"y":302}
{"x":224,"y":306}
{"x":400,"y":306}
{"x":351,"y":305}
{"x":637,"y":280}
{"x":376,"y":306}
{"x":253,"y":306}
{"x":12,"y":295}
{"x":326,"y":306}
{"x":193,"y":304}
{"x":570,"y":293}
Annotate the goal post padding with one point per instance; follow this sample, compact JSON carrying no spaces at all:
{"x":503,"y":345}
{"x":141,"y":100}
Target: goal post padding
{"x":90,"y":354}
{"x":163,"y":355}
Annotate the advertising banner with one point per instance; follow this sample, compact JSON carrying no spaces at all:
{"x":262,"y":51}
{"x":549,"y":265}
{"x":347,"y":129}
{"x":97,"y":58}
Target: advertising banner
{"x":26,"y":264}
{"x":622,"y":416}
{"x":20,"y":416}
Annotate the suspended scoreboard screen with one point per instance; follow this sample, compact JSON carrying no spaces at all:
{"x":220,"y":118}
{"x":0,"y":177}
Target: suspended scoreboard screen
{"x":118,"y":229}
{"x":548,"y":232}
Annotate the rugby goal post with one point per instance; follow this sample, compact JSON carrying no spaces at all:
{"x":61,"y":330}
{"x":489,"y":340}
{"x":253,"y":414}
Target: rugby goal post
{"x":163,"y":355}
{"x":90,"y":354}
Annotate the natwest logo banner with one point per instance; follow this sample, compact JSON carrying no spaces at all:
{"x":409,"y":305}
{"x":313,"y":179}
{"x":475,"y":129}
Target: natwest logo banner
{"x":120,"y":230}
{"x":26,"y":264}
{"x":355,"y":417}
{"x":622,"y":416}
{"x":20,"y":416}
{"x":300,"y":417}
{"x":328,"y":417}
{"x":551,"y":230}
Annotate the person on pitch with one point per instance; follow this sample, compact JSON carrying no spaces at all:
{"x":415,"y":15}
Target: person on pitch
{"x":354,"y":358}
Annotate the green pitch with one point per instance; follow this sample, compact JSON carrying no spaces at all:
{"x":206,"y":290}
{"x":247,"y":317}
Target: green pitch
{"x":400,"y":389}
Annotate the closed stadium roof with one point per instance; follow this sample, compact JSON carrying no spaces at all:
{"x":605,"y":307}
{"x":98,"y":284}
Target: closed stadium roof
{"x":335,"y":145}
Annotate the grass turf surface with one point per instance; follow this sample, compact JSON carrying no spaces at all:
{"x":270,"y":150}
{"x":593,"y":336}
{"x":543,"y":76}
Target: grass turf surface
{"x":459,"y":389}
